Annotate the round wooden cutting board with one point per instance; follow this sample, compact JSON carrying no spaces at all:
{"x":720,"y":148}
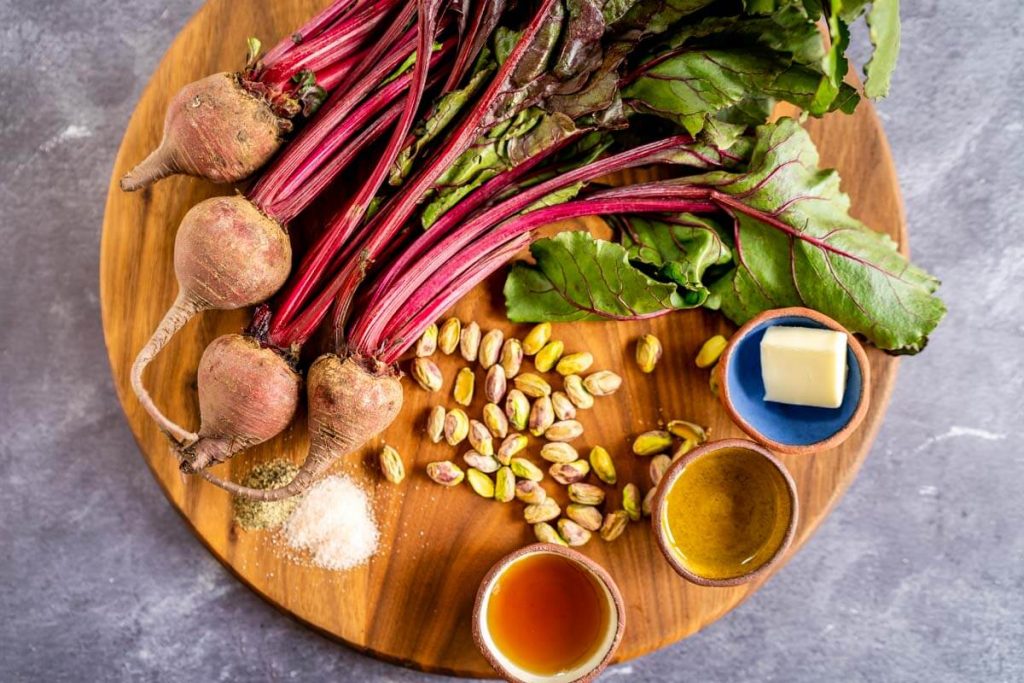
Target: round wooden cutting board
{"x":411,"y":604}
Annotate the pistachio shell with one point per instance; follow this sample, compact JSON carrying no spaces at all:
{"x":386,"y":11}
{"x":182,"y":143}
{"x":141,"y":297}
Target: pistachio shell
{"x":517,"y":409}
{"x":445,"y":472}
{"x":652,"y":442}
{"x":530,"y":492}
{"x":427,"y":374}
{"x":485,"y":463}
{"x":511,"y":357}
{"x":469,"y":341}
{"x":564,"y":408}
{"x":513,"y":444}
{"x":631,"y":501}
{"x":456,"y":426}
{"x":574,"y":534}
{"x":648,"y":352}
{"x":536,"y":338}
{"x":587,"y":516}
{"x":532,"y":385}
{"x":565,"y":430}
{"x":603,"y":466}
{"x":391,"y":465}
{"x":566,"y":473}
{"x":546,"y":533}
{"x":548,"y":356}
{"x":586,"y":494}
{"x":577,"y":393}
{"x":544,"y":511}
{"x":480,"y":483}
{"x":504,"y":485}
{"x":427,"y":344}
{"x":602,"y":383}
{"x":495,"y":384}
{"x":614,"y":524}
{"x":542,"y":416}
{"x":448,"y":335}
{"x":575,"y":363}
{"x":490,"y":348}
{"x":494,"y":418}
{"x":480,"y":438}
{"x":558,"y":452}
{"x":435,"y":424}
{"x":524,"y":469}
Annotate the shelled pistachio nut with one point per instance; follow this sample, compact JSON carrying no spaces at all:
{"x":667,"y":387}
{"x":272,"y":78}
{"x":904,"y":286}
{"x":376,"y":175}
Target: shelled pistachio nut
{"x":564,"y":408}
{"x":510,"y":447}
{"x":445,"y":472}
{"x":566,"y":473}
{"x":542,"y":416}
{"x":564,"y":430}
{"x":435,"y":424}
{"x":456,"y":426}
{"x":448,"y":335}
{"x":574,"y":363}
{"x":548,"y":356}
{"x":530,"y":492}
{"x":544,"y":511}
{"x":504,"y":485}
{"x":469,"y":341}
{"x":603,"y":466}
{"x":462,"y":391}
{"x":614,"y":524}
{"x":487,"y":464}
{"x":652,"y":442}
{"x":490,"y":348}
{"x":391,"y":465}
{"x":427,"y":374}
{"x":573,"y":533}
{"x":524,"y":469}
{"x":427,"y":343}
{"x":480,"y":438}
{"x":531,"y":384}
{"x":494,"y":418}
{"x":648,"y":352}
{"x":587,"y":516}
{"x":480,"y":483}
{"x":495,"y":384}
{"x":546,"y":533}
{"x":536,"y":338}
{"x":602,"y":383}
{"x":586,"y":494}
{"x":577,"y":393}
{"x":659,"y":465}
{"x":517,"y":409}
{"x":558,"y":452}
{"x":631,"y":501}
{"x":511,"y":357}
{"x":711,"y":351}
{"x":687,"y":430}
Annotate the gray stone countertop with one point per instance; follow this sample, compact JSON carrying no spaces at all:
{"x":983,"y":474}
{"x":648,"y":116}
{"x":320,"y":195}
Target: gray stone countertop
{"x":918,"y":575}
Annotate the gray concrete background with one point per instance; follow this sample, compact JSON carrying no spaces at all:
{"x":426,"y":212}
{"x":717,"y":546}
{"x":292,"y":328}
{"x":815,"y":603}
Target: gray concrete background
{"x":918,"y":575}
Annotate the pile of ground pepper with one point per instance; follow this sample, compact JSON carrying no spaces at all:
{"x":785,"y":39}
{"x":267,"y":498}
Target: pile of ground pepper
{"x":251,"y":514}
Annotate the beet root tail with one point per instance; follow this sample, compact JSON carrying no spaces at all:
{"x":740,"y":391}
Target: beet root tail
{"x":214,"y":129}
{"x":180,"y":312}
{"x":247,"y":395}
{"x":350,"y":400}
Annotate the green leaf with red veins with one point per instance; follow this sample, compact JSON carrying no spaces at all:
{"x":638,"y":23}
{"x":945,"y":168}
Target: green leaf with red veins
{"x":795,"y":244}
{"x":577,"y":277}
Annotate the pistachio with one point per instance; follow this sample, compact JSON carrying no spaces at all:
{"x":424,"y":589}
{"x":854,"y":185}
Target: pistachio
{"x":545,"y":511}
{"x":480,"y":438}
{"x":564,"y":409}
{"x":586,"y":494}
{"x":659,"y":464}
{"x":614,"y":524}
{"x":587,"y":516}
{"x":435,"y":424}
{"x":530,"y":492}
{"x":391,"y":465}
{"x":559,"y":452}
{"x":652,"y":442}
{"x":456,"y":426}
{"x":427,"y":343}
{"x":573,"y":533}
{"x":687,"y":430}
{"x":577,"y":393}
{"x":532,"y":385}
{"x":490,"y":348}
{"x":448,"y":335}
{"x":574,"y":363}
{"x":511,"y":357}
{"x":445,"y":472}
{"x":602,"y":383}
{"x":631,"y":501}
{"x":546,"y":533}
{"x":542,"y":416}
{"x":480,"y":483}
{"x":648,"y":504}
{"x":494,"y":418}
{"x":536,"y":338}
{"x":524,"y":469}
{"x":462,"y":391}
{"x":517,"y":409}
{"x":713,"y":381}
{"x":495,"y":384}
{"x":548,"y":356}
{"x":564,"y":430}
{"x":566,"y":473}
{"x":427,"y":374}
{"x":513,"y":444}
{"x":648,"y":352}
{"x":685,"y":447}
{"x":469,"y":341}
{"x":504,"y":485}
{"x":603,"y":466}
{"x":711,"y":351}
{"x":485,"y":463}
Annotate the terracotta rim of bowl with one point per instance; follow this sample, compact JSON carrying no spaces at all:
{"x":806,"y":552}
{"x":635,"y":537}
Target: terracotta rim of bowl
{"x":796,"y":449}
{"x":673,"y":472}
{"x":578,"y":558}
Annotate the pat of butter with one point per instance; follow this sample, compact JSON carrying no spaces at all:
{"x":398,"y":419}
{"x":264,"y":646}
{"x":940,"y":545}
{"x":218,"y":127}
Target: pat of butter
{"x":804,"y":366}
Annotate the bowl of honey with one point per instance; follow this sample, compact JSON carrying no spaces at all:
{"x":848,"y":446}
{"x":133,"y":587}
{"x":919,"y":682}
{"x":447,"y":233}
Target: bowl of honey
{"x":548,"y":614}
{"x":725,"y":513}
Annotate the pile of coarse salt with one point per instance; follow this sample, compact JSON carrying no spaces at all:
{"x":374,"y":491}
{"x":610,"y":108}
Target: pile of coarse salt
{"x":334,"y":524}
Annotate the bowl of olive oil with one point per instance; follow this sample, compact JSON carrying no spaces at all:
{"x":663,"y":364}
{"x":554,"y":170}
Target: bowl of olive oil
{"x":725,"y":513}
{"x":548,"y":614}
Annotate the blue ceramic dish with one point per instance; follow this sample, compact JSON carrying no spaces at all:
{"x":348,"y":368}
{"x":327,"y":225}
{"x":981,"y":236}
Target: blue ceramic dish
{"x":788,"y":428}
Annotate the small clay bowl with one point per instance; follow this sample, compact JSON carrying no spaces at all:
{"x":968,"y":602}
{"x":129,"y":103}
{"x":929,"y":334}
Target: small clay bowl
{"x":589,"y":670}
{"x":787,"y":428}
{"x":660,"y":505}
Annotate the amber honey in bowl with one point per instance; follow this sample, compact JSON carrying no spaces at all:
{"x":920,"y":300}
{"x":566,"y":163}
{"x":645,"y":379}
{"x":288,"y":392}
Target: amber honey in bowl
{"x":546,"y":617}
{"x":726,"y":513}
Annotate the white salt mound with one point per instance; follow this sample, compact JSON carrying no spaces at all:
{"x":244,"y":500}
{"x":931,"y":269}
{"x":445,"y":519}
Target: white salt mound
{"x":335,"y":524}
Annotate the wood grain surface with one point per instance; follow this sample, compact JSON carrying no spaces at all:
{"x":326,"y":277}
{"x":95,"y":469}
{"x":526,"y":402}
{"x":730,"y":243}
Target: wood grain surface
{"x":412,"y":603}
